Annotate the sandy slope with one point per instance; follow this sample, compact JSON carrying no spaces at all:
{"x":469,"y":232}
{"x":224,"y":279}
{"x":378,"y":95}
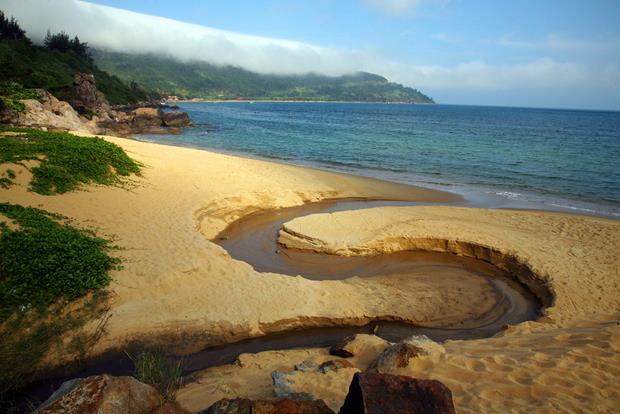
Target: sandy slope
{"x":177,"y":284}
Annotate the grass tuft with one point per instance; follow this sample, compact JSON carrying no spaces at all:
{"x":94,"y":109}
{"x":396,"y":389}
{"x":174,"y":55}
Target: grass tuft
{"x":156,"y":369}
{"x":66,"y":160}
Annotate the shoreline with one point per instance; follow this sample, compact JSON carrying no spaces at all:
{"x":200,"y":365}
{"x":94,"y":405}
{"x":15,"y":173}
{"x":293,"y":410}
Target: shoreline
{"x":200,"y":100}
{"x":469,"y":196}
{"x":178,"y":287}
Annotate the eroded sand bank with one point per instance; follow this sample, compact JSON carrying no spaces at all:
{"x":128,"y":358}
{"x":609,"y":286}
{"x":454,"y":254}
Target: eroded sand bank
{"x":176,"y":284}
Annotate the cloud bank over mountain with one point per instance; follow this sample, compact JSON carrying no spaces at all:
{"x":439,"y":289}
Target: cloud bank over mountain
{"x":125,"y":31}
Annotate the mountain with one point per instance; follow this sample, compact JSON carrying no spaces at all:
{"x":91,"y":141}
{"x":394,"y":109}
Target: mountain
{"x":206,"y":81}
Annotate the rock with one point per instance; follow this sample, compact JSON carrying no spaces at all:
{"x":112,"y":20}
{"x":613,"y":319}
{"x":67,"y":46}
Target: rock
{"x":329,"y":382}
{"x":176,"y":119}
{"x":146,"y":119}
{"x":282,"y":382}
{"x":334,"y":365}
{"x":398,"y":355}
{"x":306,"y":366}
{"x":283,"y":406}
{"x":147,"y":113}
{"x":358,"y":344}
{"x":46,"y":112}
{"x":372,"y":393}
{"x":88,"y":98}
{"x":107,"y":395}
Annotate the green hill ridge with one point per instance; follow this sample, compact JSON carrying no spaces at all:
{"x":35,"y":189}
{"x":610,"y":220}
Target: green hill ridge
{"x":212,"y":82}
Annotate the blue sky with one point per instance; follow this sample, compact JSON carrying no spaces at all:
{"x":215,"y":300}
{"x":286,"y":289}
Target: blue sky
{"x":543,"y":53}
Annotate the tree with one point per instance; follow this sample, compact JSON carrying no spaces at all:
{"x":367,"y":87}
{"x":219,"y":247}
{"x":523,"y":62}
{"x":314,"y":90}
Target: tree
{"x":9,"y":29}
{"x":63,"y":43}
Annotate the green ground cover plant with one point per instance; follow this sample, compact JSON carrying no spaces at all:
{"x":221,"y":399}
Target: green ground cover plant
{"x":66,"y":160}
{"x":52,"y":280}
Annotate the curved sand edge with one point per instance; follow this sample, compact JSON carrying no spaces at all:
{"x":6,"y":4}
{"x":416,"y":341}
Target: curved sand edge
{"x":568,"y":361}
{"x":573,"y":259}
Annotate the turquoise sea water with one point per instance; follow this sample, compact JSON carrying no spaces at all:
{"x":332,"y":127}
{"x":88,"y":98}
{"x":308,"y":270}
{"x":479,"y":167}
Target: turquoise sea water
{"x":504,"y":157}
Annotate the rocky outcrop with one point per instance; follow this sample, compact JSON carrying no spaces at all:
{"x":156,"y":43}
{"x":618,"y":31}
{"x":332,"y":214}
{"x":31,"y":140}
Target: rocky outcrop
{"x":107,"y":395}
{"x":175,"y":119}
{"x":372,"y":393}
{"x":45,"y":112}
{"x":282,"y":406}
{"x":399,"y":354}
{"x":90,"y":112}
{"x":88,"y":100}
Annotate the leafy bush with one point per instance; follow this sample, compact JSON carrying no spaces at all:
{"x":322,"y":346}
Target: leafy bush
{"x":66,"y":160}
{"x":163,"y":373}
{"x":44,"y":261}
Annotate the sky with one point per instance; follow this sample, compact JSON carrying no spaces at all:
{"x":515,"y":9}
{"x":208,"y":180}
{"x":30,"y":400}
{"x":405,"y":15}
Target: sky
{"x":542,"y":53}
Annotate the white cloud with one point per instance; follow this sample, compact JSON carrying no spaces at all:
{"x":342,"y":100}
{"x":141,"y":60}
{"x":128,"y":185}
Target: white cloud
{"x":121,"y":30}
{"x":393,"y":7}
{"x":562,"y":43}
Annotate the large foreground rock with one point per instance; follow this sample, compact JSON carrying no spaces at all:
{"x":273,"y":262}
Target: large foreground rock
{"x":284,"y":406}
{"x":105,"y":394}
{"x":372,"y":393}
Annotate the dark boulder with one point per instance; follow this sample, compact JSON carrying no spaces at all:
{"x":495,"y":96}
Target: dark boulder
{"x":371,"y":393}
{"x":283,"y":406}
{"x":176,"y":119}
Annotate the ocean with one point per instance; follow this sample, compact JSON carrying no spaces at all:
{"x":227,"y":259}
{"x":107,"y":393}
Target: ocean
{"x":552,"y":159}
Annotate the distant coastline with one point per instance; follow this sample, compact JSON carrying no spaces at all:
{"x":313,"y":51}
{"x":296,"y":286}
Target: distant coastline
{"x":202,"y":100}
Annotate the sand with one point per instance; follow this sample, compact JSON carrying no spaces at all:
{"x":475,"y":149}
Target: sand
{"x":176,"y":285}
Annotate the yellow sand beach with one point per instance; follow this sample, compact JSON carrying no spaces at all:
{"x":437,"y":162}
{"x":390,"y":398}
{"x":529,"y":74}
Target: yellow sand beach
{"x":177,"y":286}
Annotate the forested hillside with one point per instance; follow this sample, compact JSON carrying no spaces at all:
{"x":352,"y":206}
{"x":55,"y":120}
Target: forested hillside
{"x":203,"y":80}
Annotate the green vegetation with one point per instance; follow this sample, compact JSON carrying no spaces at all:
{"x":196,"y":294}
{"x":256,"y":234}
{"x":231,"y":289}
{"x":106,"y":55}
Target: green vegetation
{"x":9,"y":29}
{"x":28,"y":336}
{"x":43,"y":261}
{"x":50,"y":275}
{"x":163,"y":373}
{"x":66,"y":160}
{"x":63,"y":43}
{"x":11,"y":93}
{"x":52,"y":67}
{"x":202,"y":80}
